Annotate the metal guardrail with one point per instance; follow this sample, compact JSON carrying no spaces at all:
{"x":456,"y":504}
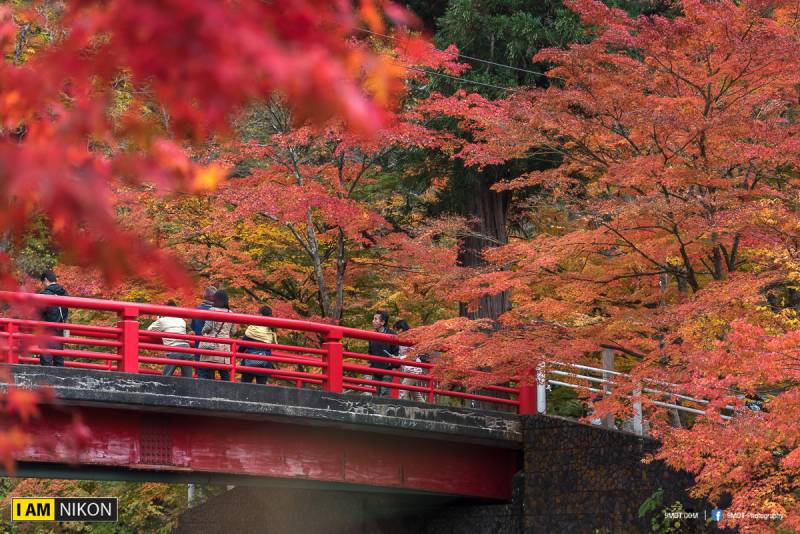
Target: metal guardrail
{"x":549,"y":374}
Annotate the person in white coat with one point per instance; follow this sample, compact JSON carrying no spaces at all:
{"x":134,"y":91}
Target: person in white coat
{"x":173,"y":325}
{"x":399,"y":327}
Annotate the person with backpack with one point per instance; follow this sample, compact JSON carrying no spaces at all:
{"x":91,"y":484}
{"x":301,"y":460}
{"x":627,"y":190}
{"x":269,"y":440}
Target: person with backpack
{"x":261,"y":334}
{"x":197,"y":325}
{"x":217,"y":329}
{"x":53,"y":314}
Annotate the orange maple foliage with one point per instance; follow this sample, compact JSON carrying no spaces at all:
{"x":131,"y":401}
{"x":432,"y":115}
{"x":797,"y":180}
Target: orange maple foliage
{"x":676,"y":151}
{"x":189,"y":65}
{"x":304,"y":190}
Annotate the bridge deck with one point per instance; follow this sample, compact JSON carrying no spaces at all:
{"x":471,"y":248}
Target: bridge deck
{"x":185,"y":426}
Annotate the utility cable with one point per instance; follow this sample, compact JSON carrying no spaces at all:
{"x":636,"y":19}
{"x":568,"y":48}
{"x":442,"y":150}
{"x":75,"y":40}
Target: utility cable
{"x":456,"y":78}
{"x":471,"y":58}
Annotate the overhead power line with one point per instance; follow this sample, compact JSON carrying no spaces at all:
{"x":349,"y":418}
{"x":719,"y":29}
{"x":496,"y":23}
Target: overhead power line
{"x":456,"y":78}
{"x":471,"y":58}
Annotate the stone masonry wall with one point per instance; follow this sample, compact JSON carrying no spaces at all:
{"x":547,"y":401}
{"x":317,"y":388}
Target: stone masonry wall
{"x":580,"y":478}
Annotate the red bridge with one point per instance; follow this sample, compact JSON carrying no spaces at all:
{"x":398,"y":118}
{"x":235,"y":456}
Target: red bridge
{"x":321,"y":427}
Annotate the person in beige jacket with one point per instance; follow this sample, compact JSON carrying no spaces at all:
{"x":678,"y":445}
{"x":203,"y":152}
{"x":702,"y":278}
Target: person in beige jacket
{"x":173,"y":325}
{"x":262,"y":334}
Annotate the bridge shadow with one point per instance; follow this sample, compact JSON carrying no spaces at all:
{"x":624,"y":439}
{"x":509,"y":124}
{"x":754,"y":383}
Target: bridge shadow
{"x":281,"y":510}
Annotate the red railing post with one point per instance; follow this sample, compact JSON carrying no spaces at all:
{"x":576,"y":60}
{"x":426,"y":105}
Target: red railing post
{"x":527,"y":394}
{"x":129,"y":337}
{"x":394,"y":393}
{"x":334,"y":360}
{"x":234,"y":348}
{"x":12,"y":355}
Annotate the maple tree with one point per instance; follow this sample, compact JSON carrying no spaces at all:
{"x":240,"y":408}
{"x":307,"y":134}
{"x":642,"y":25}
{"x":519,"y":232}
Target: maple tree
{"x":300,"y":217}
{"x":676,"y":240}
{"x":312,"y":182}
{"x":67,"y":137}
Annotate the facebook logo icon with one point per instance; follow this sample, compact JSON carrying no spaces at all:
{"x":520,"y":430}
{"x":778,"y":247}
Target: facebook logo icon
{"x":716,"y":514}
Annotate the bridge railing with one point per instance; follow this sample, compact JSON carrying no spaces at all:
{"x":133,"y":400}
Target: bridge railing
{"x":321,"y":362}
{"x":600,"y":382}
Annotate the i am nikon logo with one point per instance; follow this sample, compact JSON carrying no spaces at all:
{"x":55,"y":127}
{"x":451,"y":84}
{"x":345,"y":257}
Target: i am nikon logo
{"x":64,"y":509}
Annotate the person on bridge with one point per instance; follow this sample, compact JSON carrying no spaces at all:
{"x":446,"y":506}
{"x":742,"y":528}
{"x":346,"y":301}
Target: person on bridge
{"x":380,"y":322}
{"x":402,"y":326}
{"x":262,"y":334}
{"x":197,"y":324}
{"x":53,"y":314}
{"x":173,"y":325}
{"x":217,"y":329}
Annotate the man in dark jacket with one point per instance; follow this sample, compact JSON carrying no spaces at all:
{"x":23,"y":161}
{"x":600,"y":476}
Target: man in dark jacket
{"x":380,"y":323}
{"x":53,"y":314}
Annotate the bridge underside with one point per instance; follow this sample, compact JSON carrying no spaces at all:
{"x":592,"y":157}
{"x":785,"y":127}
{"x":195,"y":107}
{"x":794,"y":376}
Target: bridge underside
{"x":182,"y":430}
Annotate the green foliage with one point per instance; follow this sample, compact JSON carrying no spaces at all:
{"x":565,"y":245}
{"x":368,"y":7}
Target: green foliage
{"x":565,"y":402}
{"x":652,"y":503}
{"x":648,"y":8}
{"x":665,"y":519}
{"x":511,"y":32}
{"x":428,"y":11}
{"x":34,"y":251}
{"x":508,"y":32}
{"x":146,"y":507}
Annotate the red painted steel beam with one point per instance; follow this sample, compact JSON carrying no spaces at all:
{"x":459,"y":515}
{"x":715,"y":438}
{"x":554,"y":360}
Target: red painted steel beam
{"x":129,"y":439}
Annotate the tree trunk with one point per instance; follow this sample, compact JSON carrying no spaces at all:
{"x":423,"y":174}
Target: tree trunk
{"x":316,"y":260}
{"x":489,"y":209}
{"x":341,"y":267}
